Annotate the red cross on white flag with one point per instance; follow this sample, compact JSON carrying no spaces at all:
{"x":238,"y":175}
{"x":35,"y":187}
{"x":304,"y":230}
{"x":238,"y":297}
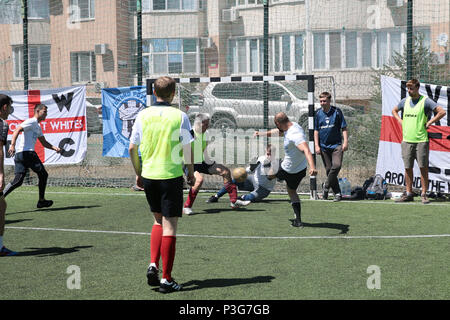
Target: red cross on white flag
{"x":65,"y":125}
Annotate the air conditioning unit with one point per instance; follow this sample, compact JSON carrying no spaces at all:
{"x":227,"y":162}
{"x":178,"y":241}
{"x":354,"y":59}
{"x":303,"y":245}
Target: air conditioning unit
{"x":98,"y":86}
{"x":395,"y":3}
{"x":230,"y":15}
{"x":101,"y":48}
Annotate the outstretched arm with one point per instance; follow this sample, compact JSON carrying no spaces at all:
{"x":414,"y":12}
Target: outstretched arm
{"x":48,"y":145}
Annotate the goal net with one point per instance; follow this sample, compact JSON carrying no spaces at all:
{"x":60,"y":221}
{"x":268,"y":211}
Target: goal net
{"x":237,"y":106}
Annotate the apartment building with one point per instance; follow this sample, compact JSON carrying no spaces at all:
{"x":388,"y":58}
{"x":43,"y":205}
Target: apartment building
{"x":93,"y":42}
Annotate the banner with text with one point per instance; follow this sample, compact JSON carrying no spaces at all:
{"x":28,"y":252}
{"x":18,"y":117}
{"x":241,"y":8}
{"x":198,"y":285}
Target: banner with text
{"x":65,"y":125}
{"x":389,"y":162}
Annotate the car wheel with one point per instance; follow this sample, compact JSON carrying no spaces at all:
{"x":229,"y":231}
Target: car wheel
{"x":224,"y":123}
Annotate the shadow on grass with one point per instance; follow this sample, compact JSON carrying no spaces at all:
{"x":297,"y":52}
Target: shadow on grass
{"x":342,"y":227}
{"x":219,"y":210}
{"x":56,"y":209}
{"x":221,"y":283}
{"x":51,"y":251}
{"x":17,"y":221}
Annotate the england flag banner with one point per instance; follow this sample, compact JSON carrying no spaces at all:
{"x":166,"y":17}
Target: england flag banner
{"x":389,"y":163}
{"x":120,"y":107}
{"x":65,"y":125}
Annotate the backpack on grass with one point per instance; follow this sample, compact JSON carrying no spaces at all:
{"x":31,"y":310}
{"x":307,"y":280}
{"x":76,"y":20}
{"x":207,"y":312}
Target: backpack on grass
{"x":375,"y":188}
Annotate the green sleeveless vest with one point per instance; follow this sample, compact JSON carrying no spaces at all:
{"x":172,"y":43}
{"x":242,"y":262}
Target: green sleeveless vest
{"x":160,"y":147}
{"x":198,"y":147}
{"x":414,"y":121}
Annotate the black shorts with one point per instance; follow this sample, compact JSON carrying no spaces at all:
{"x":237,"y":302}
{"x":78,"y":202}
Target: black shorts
{"x":201,"y":167}
{"x":292,"y":179}
{"x":27,"y":159}
{"x":165,"y":196}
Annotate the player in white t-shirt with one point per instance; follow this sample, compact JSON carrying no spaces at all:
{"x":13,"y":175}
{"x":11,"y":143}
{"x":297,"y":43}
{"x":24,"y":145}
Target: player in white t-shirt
{"x":25,"y":157}
{"x":296,"y":157}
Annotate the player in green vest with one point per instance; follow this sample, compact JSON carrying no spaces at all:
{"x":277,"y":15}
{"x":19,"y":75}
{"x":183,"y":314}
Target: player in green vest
{"x":204,"y":165}
{"x":417,"y":116}
{"x":163,"y":135}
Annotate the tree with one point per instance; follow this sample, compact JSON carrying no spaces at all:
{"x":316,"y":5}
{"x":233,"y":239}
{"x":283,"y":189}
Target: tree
{"x":425,"y":67}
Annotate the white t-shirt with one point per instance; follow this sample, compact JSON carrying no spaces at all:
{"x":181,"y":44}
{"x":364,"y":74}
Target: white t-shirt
{"x":185,"y":129}
{"x":294,"y":159}
{"x":31,"y":131}
{"x":260,"y":175}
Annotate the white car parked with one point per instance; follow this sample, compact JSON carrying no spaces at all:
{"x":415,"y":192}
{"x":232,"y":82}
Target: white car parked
{"x":241,"y":104}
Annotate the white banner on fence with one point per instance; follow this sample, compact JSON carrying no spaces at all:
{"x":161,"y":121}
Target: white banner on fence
{"x":389,"y":162}
{"x":65,"y":125}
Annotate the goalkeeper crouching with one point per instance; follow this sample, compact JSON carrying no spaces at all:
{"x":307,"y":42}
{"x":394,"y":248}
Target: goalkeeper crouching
{"x":258,"y":182}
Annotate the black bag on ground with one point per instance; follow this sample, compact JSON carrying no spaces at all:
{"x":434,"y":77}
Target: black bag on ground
{"x":357,"y":193}
{"x":375,"y":188}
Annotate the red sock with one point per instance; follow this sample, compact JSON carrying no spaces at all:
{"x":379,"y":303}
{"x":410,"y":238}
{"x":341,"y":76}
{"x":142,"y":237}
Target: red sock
{"x":168,"y":256}
{"x":155,"y":244}
{"x":232,"y":191}
{"x":191,"y":198}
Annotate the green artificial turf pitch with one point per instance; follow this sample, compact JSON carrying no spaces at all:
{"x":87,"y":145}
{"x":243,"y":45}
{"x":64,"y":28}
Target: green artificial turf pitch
{"x":252,"y":253}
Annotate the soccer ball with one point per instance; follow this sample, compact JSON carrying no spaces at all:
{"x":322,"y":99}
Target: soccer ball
{"x":239,"y":174}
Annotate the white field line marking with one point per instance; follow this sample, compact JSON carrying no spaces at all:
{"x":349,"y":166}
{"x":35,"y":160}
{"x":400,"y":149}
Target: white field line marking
{"x":142,"y":194}
{"x":236,"y":237}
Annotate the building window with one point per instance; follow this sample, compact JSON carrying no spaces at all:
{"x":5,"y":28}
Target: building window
{"x":298,"y":52}
{"x":82,"y":67}
{"x":38,"y":62}
{"x":38,"y":9}
{"x":319,"y":50}
{"x":172,"y":56}
{"x":82,"y":10}
{"x":335,"y":50}
{"x":366,"y":50}
{"x":174,"y":5}
{"x":351,"y":51}
{"x":234,"y":3}
{"x":247,"y":55}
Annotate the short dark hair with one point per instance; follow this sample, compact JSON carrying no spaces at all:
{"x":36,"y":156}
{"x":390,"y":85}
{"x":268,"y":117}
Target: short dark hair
{"x":39,"y":106}
{"x":413,"y":82}
{"x":164,"y":87}
{"x":4,"y":99}
{"x":325,"y":94}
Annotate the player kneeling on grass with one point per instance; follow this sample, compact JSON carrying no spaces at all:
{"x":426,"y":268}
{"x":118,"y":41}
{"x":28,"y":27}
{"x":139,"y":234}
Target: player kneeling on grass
{"x":256,"y":179}
{"x":203,"y":165}
{"x":294,"y":164}
{"x":157,"y":133}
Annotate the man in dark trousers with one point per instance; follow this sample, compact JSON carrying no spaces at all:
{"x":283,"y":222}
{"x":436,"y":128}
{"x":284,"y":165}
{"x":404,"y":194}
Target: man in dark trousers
{"x":25,"y":157}
{"x":329,"y":122}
